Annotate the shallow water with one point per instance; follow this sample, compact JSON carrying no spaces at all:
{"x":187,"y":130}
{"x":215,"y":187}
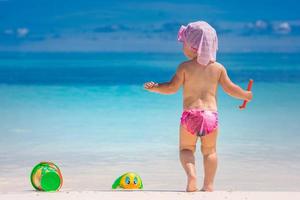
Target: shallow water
{"x":96,"y":132}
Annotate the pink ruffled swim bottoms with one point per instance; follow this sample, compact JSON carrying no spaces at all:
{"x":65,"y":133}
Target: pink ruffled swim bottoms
{"x":200,"y":122}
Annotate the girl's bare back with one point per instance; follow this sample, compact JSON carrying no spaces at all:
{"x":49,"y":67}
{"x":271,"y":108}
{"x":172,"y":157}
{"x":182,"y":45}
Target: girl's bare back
{"x":200,"y":85}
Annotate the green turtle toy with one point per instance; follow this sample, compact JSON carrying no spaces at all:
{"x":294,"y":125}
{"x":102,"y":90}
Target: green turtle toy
{"x":130,"y":180}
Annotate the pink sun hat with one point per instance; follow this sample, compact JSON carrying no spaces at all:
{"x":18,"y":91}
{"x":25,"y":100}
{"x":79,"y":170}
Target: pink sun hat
{"x":202,"y":38}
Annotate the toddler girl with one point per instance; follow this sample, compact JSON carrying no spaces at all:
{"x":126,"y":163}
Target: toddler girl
{"x":199,"y":76}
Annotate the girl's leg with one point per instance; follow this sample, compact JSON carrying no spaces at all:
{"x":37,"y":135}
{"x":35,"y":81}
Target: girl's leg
{"x":210,"y":161}
{"x":187,"y":158}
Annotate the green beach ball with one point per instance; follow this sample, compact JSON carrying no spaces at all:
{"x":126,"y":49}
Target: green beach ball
{"x":46,"y":176}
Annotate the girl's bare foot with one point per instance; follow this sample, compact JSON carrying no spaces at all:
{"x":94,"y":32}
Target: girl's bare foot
{"x":192,"y":184}
{"x":207,"y":189}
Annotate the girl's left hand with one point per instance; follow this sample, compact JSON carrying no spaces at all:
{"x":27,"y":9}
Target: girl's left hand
{"x":150,"y":85}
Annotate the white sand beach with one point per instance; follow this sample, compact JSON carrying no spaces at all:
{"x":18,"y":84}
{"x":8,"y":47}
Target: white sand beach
{"x":146,"y":195}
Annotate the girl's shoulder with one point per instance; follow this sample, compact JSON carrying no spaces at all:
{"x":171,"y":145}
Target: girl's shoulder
{"x":217,"y":65}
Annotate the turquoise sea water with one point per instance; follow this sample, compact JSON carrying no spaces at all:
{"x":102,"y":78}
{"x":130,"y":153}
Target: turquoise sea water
{"x":89,"y":114}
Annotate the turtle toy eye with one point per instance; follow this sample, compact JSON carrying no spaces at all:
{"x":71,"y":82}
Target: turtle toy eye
{"x":127,"y":180}
{"x":135,"y":180}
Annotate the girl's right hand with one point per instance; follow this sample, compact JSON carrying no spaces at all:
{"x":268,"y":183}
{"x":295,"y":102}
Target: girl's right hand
{"x":248,"y":96}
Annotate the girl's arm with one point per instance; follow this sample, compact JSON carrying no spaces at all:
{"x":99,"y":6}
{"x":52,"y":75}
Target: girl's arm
{"x":232,"y":89}
{"x":170,"y":87}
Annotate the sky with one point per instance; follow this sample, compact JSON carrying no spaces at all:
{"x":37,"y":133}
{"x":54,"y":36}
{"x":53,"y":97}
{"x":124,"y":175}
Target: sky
{"x":146,"y":25}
